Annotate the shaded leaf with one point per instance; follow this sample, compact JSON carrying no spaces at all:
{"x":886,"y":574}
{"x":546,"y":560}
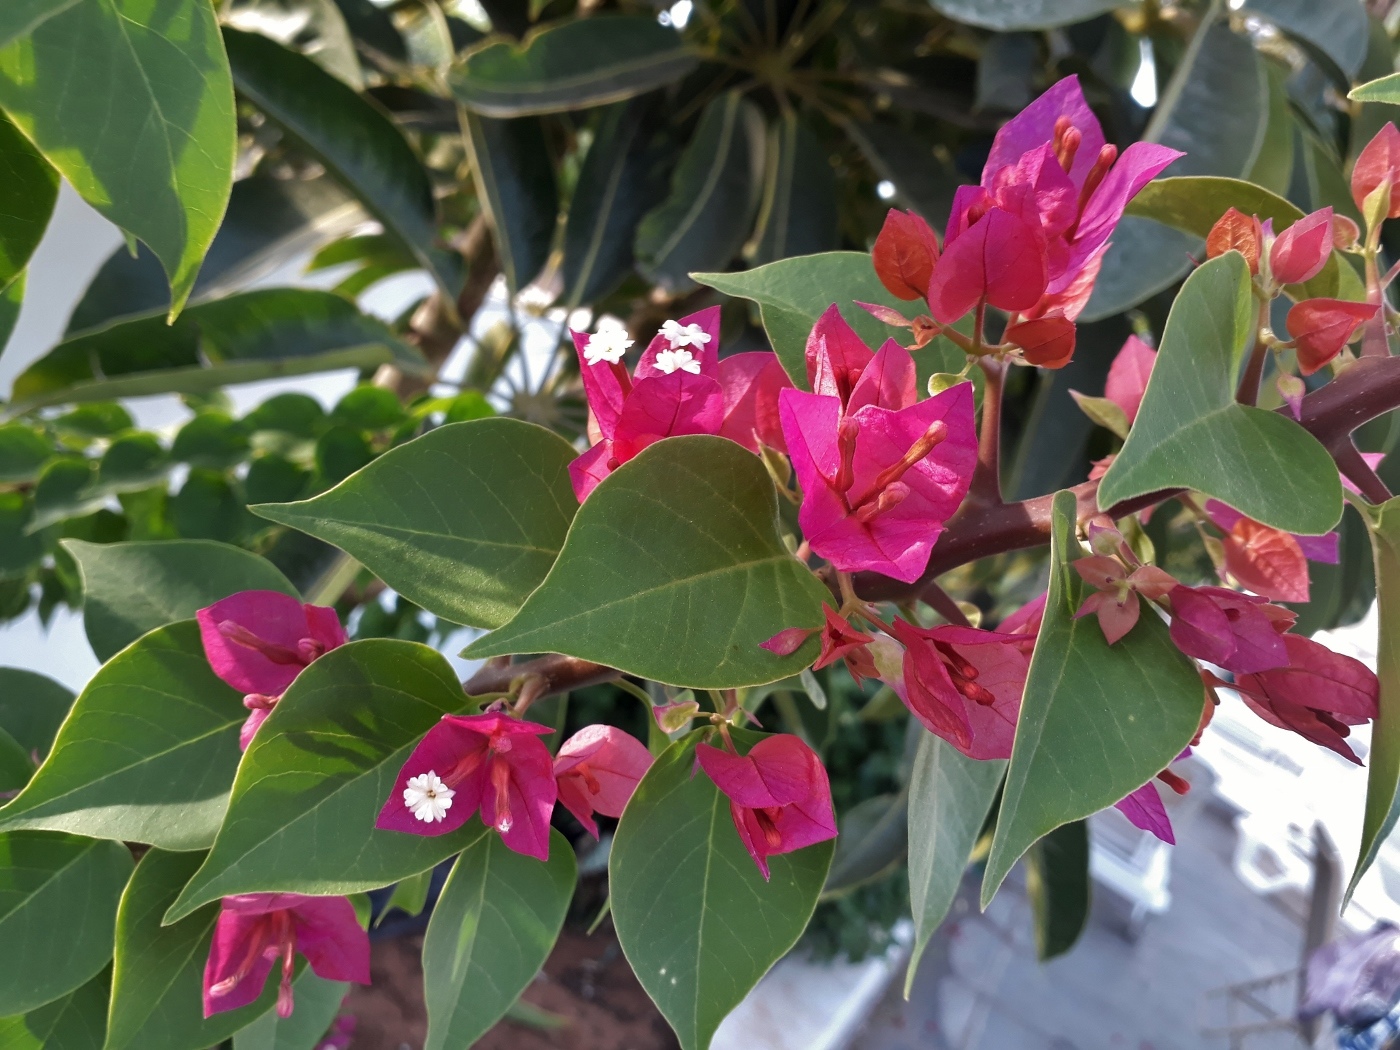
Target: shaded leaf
{"x":714,"y":192}
{"x":160,"y":164}
{"x":147,"y":753}
{"x":253,"y":335}
{"x":1190,"y":432}
{"x":21,"y":17}
{"x":922,"y":180}
{"x":360,"y":146}
{"x":316,"y":28}
{"x":873,"y":840}
{"x":680,"y":544}
{"x":1003,"y":15}
{"x":693,"y":914}
{"x":1057,"y":883}
{"x":1337,"y":29}
{"x":23,"y":452}
{"x":132,"y":588}
{"x":1097,"y":721}
{"x":573,"y":64}
{"x":317,"y":1003}
{"x":28,"y":190}
{"x":798,"y":213}
{"x":32,"y":706}
{"x":464,"y":521}
{"x":950,"y":796}
{"x":304,"y":804}
{"x":58,"y":907}
{"x":515,"y":179}
{"x":10,"y":301}
{"x":492,"y":929}
{"x":76,"y":1021}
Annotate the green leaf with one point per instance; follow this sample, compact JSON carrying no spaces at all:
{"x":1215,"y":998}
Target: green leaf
{"x":317,"y":1003}
{"x":873,"y":841}
{"x":1215,"y":109}
{"x":1004,"y":15}
{"x":147,"y":753}
{"x":1386,"y":89}
{"x":798,"y":214}
{"x":268,"y":220}
{"x":160,"y":164}
{"x":316,"y":28}
{"x":20,"y":549}
{"x":27,"y":197}
{"x":16,"y":766}
{"x":1193,"y":204}
{"x":622,"y":177}
{"x":32,"y":706}
{"x":207,"y":508}
{"x":1097,"y":721}
{"x":693,"y":913}
{"x":132,"y":462}
{"x":440,"y":519}
{"x":674,"y":570}
{"x":23,"y":452}
{"x":574,"y":64}
{"x":132,"y":588}
{"x":714,"y":192}
{"x":158,"y":979}
{"x":792,"y":293}
{"x":11,"y":299}
{"x":1057,"y":883}
{"x":76,"y":1021}
{"x":950,"y":796}
{"x":254,"y":335}
{"x":21,"y":17}
{"x":1382,"y":808}
{"x":492,"y":929}
{"x":58,"y":907}
{"x":1273,"y":167}
{"x":1190,"y":432}
{"x":368,"y":407}
{"x":355,"y":141}
{"x":313,"y":780}
{"x":1338,"y":29}
{"x":515,"y":182}
{"x":410,"y":895}
{"x":64,"y":490}
{"x":212,"y":439}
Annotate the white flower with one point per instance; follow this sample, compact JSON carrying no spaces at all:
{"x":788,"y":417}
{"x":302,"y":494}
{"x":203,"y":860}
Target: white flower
{"x":689,"y":335}
{"x":669,"y":361}
{"x":607,"y":344}
{"x":428,"y":797}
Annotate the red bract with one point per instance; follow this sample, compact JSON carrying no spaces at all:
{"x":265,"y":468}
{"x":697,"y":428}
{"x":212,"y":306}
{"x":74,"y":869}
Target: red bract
{"x":1379,"y":162}
{"x":1301,"y":251}
{"x":1267,"y":561}
{"x":904,"y":254}
{"x":1321,"y":327}
{"x":255,"y":930}
{"x":1045,"y":341}
{"x":842,"y":641}
{"x":964,"y":684}
{"x":1031,"y":236}
{"x":779,"y":796}
{"x":1128,"y":376}
{"x":597,"y":769}
{"x":259,"y":641}
{"x":1317,"y":695}
{"x":1239,"y":632}
{"x":492,"y":762}
{"x":878,"y":484}
{"x":680,"y":387}
{"x":1236,"y":231}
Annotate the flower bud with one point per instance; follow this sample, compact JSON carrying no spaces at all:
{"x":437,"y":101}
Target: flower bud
{"x":1301,"y":251}
{"x":1321,"y":327}
{"x":1378,"y":163}
{"x":1044,"y":341}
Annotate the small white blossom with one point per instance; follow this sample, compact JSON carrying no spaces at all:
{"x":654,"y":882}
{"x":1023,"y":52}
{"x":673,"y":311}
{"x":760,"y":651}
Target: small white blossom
{"x":669,"y":361}
{"x":688,"y":335}
{"x":428,"y":797}
{"x":607,"y":344}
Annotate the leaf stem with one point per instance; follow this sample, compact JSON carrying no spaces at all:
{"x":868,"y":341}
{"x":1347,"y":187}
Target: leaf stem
{"x":942,"y":603}
{"x":1359,"y":472}
{"x":1248,"y":392}
{"x":986,"y":478}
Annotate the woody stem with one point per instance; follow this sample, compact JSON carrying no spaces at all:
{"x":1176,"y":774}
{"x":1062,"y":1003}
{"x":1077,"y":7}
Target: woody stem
{"x":985,"y":489}
{"x":1248,"y":392}
{"x":942,"y":603}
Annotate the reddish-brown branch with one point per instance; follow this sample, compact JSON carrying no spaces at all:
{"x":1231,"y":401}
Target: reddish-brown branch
{"x":560,"y":674}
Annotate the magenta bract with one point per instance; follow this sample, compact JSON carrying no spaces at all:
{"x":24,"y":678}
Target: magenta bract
{"x":597,"y":769}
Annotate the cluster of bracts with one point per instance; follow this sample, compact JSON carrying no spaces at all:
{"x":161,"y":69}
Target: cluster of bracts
{"x":879,"y":472}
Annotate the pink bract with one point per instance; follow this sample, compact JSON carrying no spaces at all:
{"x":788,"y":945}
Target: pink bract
{"x":597,"y":769}
{"x":1128,"y":376}
{"x":258,"y":641}
{"x":1144,"y":810}
{"x":779,"y":795}
{"x":256,"y":930}
{"x":1224,"y":627}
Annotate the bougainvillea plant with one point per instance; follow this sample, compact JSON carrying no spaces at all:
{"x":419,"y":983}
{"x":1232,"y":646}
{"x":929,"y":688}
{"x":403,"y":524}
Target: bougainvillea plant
{"x":1082,"y":440}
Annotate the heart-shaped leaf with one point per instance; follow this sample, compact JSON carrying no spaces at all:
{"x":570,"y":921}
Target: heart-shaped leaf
{"x":358,"y":144}
{"x":132,"y":588}
{"x":792,"y":293}
{"x":950,"y":796}
{"x":58,"y":907}
{"x":673,"y":570}
{"x":160,"y":164}
{"x":694,"y":916}
{"x":1190,"y":432}
{"x":301,"y":818}
{"x":1097,"y":721}
{"x":495,"y":923}
{"x":573,"y":64}
{"x":76,"y":1021}
{"x":158,"y":978}
{"x":147,"y":753}
{"x":464,"y":521}
{"x":271,"y":332}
